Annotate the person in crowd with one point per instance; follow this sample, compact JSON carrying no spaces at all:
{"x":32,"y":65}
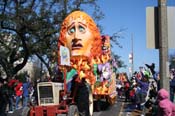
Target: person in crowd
{"x":153,"y":90}
{"x":140,"y":74}
{"x":119,"y":88}
{"x":157,"y":80}
{"x":31,"y":89}
{"x":172,"y":87}
{"x":18,"y":93}
{"x":142,"y":94}
{"x":11,"y":94}
{"x":83,"y":95}
{"x":152,"y":69}
{"x":3,"y":97}
{"x":132,"y":92}
{"x":126,"y":89}
{"x":58,"y":77}
{"x":165,"y":106}
{"x":25,"y":87}
{"x":32,"y":96}
{"x":35,"y":93}
{"x":47,"y":78}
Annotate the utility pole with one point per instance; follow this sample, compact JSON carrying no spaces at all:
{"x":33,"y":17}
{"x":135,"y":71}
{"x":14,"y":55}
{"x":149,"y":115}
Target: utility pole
{"x":132,"y":52}
{"x":131,"y":58}
{"x":163,"y":44}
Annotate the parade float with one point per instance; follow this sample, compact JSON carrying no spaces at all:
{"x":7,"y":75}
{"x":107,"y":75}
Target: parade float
{"x":83,"y":54}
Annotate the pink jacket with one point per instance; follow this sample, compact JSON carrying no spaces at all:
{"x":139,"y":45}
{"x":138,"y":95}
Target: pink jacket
{"x":166,"y":107}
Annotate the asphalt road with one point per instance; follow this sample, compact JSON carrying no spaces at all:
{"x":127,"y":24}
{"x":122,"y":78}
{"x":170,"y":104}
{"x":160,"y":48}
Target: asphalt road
{"x":105,"y":110}
{"x":20,"y":112}
{"x":120,"y":108}
{"x":108,"y":110}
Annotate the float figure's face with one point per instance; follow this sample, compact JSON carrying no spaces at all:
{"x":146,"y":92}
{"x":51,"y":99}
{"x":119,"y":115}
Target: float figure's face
{"x":79,"y":37}
{"x":80,"y":34}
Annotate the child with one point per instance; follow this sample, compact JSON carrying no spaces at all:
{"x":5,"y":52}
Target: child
{"x":165,"y":106}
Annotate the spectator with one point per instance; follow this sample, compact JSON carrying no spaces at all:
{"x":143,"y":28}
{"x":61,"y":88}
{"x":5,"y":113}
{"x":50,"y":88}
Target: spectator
{"x":132,"y":92}
{"x":172,"y":87}
{"x":158,"y":81}
{"x":119,"y":88}
{"x":47,"y":78}
{"x":165,"y":106}
{"x":142,"y":94}
{"x":152,"y":67}
{"x":32,"y":96}
{"x":11,"y":93}
{"x":18,"y":92}
{"x":25,"y":94}
{"x":126,"y":89}
{"x":3,"y":97}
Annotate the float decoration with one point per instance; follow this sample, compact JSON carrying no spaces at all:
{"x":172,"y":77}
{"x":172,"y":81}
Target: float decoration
{"x":90,"y":53}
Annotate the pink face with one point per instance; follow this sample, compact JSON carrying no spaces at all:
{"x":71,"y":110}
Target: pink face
{"x":79,"y":38}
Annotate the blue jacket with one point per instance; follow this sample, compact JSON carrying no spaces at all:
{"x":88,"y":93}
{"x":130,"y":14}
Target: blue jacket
{"x":26,"y":89}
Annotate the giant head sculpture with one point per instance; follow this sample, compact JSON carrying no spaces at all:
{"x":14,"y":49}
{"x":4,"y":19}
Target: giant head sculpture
{"x":80,"y":34}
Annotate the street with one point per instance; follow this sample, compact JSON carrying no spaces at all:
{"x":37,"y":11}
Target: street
{"x":107,"y":110}
{"x":120,"y":108}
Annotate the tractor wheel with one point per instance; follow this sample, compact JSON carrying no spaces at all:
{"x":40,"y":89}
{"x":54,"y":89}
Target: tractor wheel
{"x":73,"y":111}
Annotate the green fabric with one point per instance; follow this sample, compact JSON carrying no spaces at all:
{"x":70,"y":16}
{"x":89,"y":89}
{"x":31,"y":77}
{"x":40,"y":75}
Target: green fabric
{"x":70,"y":74}
{"x":147,"y":74}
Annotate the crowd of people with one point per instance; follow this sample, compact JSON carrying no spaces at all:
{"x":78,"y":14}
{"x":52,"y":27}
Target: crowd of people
{"x":144,"y":92}
{"x":17,"y":93}
{"x":14,"y":94}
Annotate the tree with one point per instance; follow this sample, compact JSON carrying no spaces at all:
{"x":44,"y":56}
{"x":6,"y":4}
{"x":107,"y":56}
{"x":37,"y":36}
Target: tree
{"x":117,"y":62}
{"x":114,"y":41}
{"x":31,"y":28}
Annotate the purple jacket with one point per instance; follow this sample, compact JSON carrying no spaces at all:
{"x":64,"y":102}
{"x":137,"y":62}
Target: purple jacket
{"x":165,"y":106}
{"x":144,"y":85}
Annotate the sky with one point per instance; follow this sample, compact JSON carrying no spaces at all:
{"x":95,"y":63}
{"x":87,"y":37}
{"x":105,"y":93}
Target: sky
{"x":131,"y":15}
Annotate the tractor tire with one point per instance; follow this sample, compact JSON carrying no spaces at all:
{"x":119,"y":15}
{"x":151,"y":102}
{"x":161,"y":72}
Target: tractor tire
{"x":73,"y":111}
